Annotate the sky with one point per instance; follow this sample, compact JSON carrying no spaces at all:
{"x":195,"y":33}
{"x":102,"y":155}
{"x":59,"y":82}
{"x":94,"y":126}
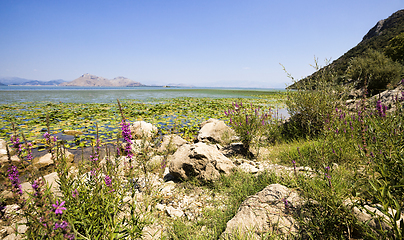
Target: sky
{"x":221,"y":43}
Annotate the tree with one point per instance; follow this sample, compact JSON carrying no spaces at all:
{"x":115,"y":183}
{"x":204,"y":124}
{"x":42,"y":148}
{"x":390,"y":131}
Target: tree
{"x":376,"y":70}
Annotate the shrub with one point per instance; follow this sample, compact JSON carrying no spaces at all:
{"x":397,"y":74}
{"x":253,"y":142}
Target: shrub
{"x":310,"y":104}
{"x":395,"y":49}
{"x":248,"y":122}
{"x":375,"y":71}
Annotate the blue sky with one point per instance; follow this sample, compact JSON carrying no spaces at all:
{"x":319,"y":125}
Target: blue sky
{"x":222,"y":43}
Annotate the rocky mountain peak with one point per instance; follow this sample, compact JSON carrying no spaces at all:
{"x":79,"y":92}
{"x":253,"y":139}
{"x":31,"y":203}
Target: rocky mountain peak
{"x":89,"y":80}
{"x":381,"y":26}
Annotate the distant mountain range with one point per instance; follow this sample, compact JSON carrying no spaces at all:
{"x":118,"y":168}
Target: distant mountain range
{"x":88,"y":80}
{"x":29,"y":82}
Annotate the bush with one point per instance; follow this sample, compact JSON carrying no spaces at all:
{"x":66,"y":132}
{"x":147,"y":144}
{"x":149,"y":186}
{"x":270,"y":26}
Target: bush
{"x":375,"y":71}
{"x":310,"y":104}
{"x":248,"y":122}
{"x":395,"y":49}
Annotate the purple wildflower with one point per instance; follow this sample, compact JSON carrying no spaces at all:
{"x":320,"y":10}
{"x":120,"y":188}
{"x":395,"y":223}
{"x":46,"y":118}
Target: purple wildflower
{"x":108,"y":181}
{"x":75,"y":193}
{"x":16,"y":142}
{"x":13,"y":176}
{"x":59,"y":207}
{"x":63,"y":225}
{"x":70,"y":237}
{"x":29,"y":154}
{"x":94,"y":158}
{"x":285,"y":201}
{"x":294,"y":167}
{"x":328,"y":176}
{"x":127,"y":136}
{"x":36,"y":187}
{"x":46,"y":135}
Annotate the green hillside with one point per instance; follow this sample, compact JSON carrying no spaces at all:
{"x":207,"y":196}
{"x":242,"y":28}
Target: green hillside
{"x":378,"y":38}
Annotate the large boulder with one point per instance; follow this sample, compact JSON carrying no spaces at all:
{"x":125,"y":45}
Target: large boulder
{"x":3,"y":150}
{"x":215,"y":130}
{"x":140,"y":129}
{"x":270,"y":210}
{"x":199,"y":160}
{"x":171,"y":142}
{"x":46,"y":160}
{"x":3,"y":154}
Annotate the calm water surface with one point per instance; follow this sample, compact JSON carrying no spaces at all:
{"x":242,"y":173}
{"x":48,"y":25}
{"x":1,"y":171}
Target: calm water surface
{"x":15,"y":94}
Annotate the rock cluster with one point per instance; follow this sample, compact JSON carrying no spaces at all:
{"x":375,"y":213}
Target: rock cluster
{"x":199,"y":160}
{"x":214,"y":130}
{"x":140,"y":129}
{"x":387,"y":98}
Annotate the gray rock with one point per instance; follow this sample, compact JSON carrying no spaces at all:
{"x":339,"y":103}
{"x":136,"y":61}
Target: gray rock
{"x":3,"y":150}
{"x":245,"y":167}
{"x":153,"y":232}
{"x":377,"y":222}
{"x":171,"y":142}
{"x":267,"y":211}
{"x":140,"y":129}
{"x":14,"y":159}
{"x":199,"y":160}
{"x":3,"y":154}
{"x":388,"y":98}
{"x":232,"y":149}
{"x":167,"y":188}
{"x":214,"y":130}
{"x":13,"y":237}
{"x":46,"y":160}
{"x":72,"y":132}
{"x":174,"y":212}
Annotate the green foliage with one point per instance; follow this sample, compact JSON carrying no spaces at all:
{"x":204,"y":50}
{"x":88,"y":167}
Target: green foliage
{"x":324,"y":214}
{"x":376,"y":70}
{"x":368,"y":141}
{"x":248,"y":122}
{"x":395,"y":49}
{"x":310,"y":105}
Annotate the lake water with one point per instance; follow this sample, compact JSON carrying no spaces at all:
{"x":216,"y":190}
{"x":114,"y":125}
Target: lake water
{"x":15,"y":94}
{"x":23,"y":94}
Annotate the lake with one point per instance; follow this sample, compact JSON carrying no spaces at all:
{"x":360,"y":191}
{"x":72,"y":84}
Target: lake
{"x":73,"y":108}
{"x":16,"y":94}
